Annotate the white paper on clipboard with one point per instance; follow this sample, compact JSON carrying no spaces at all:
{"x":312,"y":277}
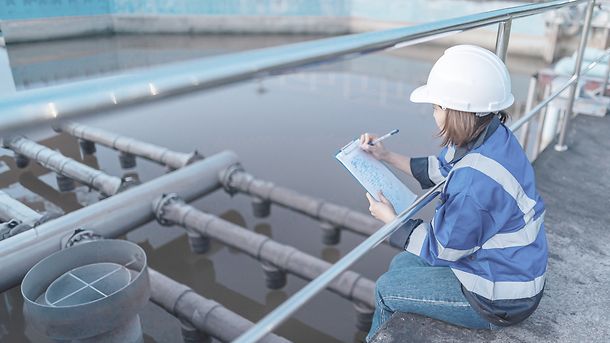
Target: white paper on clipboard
{"x":375,"y":176}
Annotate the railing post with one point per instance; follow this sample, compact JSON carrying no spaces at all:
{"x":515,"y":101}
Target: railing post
{"x":502,"y":38}
{"x":529,"y":103}
{"x":561,"y":146}
{"x":606,"y":35}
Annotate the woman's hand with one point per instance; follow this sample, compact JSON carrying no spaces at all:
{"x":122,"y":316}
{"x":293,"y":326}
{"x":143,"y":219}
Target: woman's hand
{"x":382,"y":210}
{"x":378,"y":150}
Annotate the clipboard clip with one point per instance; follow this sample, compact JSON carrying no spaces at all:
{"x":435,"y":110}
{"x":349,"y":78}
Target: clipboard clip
{"x":349,"y":145}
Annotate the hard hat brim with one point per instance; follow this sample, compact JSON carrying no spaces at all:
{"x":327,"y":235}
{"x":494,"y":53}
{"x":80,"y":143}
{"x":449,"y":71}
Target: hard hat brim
{"x":421,"y":95}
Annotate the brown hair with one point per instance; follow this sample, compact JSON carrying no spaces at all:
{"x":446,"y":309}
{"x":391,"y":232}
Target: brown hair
{"x":462,"y":127}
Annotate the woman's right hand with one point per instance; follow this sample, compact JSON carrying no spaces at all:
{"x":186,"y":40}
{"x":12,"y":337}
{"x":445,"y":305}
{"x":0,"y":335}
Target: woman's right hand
{"x":378,"y":150}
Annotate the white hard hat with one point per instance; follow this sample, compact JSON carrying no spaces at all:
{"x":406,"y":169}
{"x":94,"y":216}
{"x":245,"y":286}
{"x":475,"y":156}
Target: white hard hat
{"x":467,"y":78}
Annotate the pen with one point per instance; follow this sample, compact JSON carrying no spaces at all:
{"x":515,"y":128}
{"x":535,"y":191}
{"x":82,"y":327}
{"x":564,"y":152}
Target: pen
{"x":393,"y":132}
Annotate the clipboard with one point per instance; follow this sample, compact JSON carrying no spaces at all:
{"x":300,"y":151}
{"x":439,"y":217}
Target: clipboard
{"x":375,"y":176}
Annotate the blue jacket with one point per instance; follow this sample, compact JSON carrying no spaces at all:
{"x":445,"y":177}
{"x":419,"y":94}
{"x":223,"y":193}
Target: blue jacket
{"x":488,"y":226}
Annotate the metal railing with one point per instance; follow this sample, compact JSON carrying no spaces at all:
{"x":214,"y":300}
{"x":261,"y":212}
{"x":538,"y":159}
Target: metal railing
{"x":287,"y":308}
{"x":33,"y":107}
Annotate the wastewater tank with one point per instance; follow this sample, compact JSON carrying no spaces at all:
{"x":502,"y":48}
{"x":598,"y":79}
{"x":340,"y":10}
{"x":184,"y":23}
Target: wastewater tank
{"x":91,"y":292}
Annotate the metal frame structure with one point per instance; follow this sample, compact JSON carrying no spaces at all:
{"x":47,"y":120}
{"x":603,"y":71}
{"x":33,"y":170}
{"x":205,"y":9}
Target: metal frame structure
{"x":33,"y":107}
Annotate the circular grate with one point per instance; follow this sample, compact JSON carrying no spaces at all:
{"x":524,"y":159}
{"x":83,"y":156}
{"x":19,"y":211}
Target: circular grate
{"x":86,"y":284}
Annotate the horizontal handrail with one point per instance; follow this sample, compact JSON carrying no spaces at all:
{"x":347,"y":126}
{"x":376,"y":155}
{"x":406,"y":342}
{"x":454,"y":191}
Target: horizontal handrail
{"x":27,"y":108}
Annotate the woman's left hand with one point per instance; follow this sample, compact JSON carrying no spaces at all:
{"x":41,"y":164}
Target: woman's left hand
{"x":382,"y":210}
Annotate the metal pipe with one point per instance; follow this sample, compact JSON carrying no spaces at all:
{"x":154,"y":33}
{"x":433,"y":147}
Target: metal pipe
{"x":561,"y":145}
{"x":53,"y":160}
{"x":540,"y":128}
{"x":339,"y":216}
{"x":129,"y":210}
{"x":288,"y":307}
{"x":529,"y":102}
{"x":171,"y":210}
{"x":263,"y":192}
{"x":151,"y":152}
{"x":13,"y":209}
{"x":503,"y":38}
{"x":607,"y":76}
{"x":33,"y":107}
{"x":204,"y":314}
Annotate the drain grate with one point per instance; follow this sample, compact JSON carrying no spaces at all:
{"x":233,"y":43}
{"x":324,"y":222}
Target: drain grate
{"x":87,"y":284}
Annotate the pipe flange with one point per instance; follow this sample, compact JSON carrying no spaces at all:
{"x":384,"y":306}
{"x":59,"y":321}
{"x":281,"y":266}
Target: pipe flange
{"x":227,"y":178}
{"x":161,"y":203}
{"x":79,"y":236}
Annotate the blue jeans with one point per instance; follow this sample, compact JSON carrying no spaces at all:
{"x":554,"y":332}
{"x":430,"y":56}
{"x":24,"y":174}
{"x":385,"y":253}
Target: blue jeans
{"x":412,"y":285}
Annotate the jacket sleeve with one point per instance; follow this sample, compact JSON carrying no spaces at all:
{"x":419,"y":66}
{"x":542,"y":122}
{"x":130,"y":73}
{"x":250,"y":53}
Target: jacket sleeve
{"x":454,"y":233}
{"x":429,"y":171}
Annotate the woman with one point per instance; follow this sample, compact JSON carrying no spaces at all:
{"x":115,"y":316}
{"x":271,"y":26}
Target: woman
{"x":481,"y":262}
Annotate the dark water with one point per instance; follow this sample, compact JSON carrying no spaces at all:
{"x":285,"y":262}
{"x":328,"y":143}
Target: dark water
{"x":285,"y":129}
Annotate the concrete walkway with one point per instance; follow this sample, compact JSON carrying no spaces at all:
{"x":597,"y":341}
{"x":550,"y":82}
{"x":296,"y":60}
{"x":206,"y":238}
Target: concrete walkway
{"x":575,"y":186}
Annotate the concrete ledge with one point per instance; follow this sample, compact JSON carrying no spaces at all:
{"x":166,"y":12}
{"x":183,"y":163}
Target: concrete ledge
{"x":17,"y":31}
{"x":230,"y":24}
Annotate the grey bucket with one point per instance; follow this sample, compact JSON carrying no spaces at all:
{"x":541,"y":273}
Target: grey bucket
{"x":91,"y":292}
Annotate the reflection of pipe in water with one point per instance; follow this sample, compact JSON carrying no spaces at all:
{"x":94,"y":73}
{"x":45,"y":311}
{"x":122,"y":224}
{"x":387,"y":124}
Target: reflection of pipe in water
{"x":111,"y":217}
{"x":128,"y":147}
{"x":276,"y":258}
{"x":66,"y":167}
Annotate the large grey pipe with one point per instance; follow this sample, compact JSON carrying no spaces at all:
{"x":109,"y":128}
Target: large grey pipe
{"x":110,"y":217}
{"x":53,"y":160}
{"x":155,"y":153}
{"x":204,"y":314}
{"x":353,"y":286}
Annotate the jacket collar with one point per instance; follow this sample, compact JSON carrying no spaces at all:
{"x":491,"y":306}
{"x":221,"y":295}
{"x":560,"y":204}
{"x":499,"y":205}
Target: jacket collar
{"x":477,"y":142}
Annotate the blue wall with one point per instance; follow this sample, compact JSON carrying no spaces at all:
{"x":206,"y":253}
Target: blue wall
{"x":390,"y":10}
{"x":27,"y":9}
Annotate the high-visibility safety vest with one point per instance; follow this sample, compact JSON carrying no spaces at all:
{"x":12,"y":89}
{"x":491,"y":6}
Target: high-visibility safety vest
{"x":488,"y":226}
